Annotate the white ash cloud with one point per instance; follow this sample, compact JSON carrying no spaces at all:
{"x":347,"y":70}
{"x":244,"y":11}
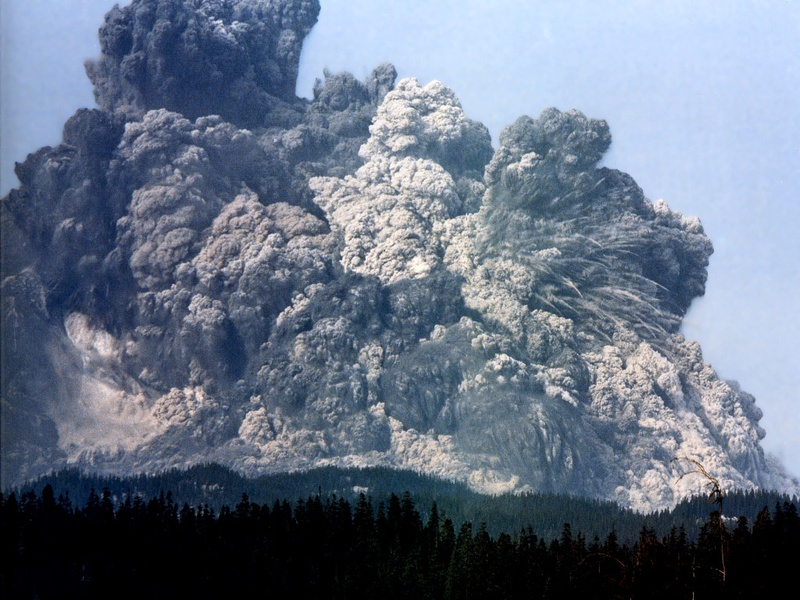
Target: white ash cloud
{"x":391,"y":211}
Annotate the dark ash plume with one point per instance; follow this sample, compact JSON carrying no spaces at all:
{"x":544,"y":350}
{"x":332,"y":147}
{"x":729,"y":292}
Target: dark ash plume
{"x":209,"y":268}
{"x":237,"y":59}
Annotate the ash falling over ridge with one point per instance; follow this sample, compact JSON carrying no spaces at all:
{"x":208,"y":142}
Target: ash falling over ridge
{"x":209,"y":268}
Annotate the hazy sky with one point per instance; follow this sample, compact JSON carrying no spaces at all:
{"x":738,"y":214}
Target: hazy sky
{"x":702,"y":98}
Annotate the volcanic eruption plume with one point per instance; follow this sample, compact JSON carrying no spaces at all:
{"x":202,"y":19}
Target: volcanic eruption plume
{"x":209,"y":268}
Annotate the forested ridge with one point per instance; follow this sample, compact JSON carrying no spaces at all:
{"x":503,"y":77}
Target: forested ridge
{"x":215,"y":485}
{"x":365,"y":546}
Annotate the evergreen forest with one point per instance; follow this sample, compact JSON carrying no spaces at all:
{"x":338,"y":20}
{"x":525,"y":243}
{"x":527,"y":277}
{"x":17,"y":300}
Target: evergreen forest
{"x":365,"y":545}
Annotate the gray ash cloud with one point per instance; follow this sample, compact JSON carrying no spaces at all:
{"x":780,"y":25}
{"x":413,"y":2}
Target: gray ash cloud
{"x":209,"y":268}
{"x":238,"y":60}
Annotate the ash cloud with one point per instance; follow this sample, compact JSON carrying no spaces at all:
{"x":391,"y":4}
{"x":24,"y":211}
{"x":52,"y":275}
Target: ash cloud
{"x":236,"y":59}
{"x":391,"y":210}
{"x":209,"y":268}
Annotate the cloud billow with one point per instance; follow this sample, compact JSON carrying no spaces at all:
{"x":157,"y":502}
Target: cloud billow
{"x":209,"y":268}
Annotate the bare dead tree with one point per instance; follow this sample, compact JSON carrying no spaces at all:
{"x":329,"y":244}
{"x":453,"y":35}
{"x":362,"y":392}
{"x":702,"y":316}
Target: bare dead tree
{"x":715,"y":498}
{"x":716,"y":495}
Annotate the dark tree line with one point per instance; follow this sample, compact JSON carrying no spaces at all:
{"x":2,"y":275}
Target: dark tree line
{"x":332,"y":548}
{"x":546,"y":513}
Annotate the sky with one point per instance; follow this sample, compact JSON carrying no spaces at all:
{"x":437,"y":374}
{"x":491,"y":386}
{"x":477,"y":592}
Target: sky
{"x":702,"y":98}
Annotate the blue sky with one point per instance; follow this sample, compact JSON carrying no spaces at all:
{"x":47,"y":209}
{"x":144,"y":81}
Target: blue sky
{"x":702,"y":97}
